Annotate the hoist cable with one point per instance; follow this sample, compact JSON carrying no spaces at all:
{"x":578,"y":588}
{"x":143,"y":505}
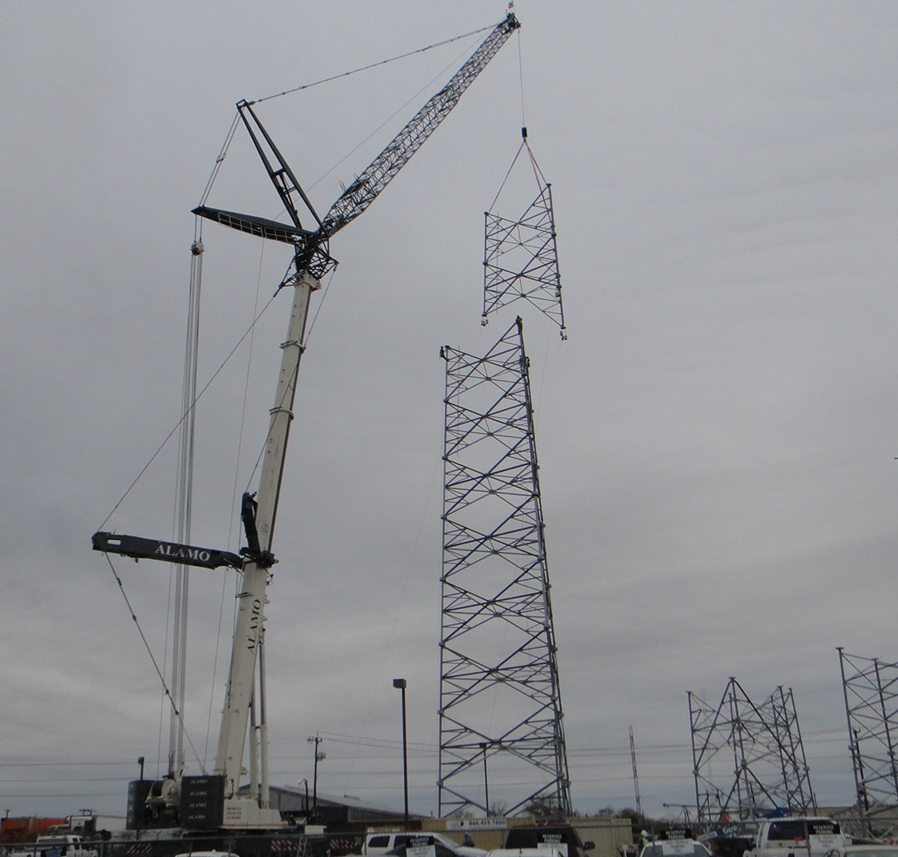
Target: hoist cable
{"x":524,"y":142}
{"x":327,"y":286}
{"x":373,"y":65}
{"x":184,"y":416}
{"x":521,"y":80}
{"x":537,"y":172}
{"x":507,"y":174}
{"x":146,"y":644}
{"x":246,"y":381}
{"x":218,"y":162}
{"x":233,"y":517}
{"x":212,"y":688}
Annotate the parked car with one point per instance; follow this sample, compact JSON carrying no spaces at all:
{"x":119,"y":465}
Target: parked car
{"x":442,"y":846}
{"x":675,"y":848}
{"x":207,"y":854}
{"x":56,"y":845}
{"x":391,"y":843}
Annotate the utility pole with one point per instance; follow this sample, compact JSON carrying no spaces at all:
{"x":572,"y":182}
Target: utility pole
{"x":635,"y":778}
{"x":319,"y":757}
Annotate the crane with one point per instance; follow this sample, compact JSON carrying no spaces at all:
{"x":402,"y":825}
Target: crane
{"x":311,"y":245}
{"x":216,"y":801}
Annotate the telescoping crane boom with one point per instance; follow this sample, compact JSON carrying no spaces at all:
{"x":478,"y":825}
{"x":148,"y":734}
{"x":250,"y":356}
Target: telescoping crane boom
{"x":218,"y":800}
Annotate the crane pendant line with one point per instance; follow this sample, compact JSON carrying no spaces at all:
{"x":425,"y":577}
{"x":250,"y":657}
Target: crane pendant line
{"x":372,"y":65}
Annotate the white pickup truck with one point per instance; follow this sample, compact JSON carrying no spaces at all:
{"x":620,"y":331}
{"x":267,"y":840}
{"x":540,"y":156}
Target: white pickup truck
{"x":798,"y":837}
{"x":381,"y":843}
{"x":61,"y":845}
{"x":677,"y":847}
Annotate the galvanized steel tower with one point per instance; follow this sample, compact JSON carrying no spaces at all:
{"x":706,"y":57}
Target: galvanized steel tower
{"x":870,"y":689}
{"x":502,"y":746}
{"x":761,"y":745}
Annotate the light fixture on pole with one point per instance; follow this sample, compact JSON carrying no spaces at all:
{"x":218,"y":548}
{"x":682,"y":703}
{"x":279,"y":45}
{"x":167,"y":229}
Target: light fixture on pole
{"x":402,"y":684}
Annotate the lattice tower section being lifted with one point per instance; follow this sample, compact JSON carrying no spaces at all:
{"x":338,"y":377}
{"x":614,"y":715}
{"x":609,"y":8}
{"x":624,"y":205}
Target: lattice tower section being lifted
{"x":763,"y":744}
{"x":520,"y":258}
{"x":870,"y":688}
{"x":501,"y":737}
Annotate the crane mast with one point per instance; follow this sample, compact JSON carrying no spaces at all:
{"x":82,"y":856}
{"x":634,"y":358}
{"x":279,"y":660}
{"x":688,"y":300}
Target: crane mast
{"x":259,"y":517}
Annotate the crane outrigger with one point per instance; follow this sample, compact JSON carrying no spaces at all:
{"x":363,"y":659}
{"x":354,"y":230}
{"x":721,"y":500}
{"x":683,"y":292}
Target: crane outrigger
{"x":216,"y":801}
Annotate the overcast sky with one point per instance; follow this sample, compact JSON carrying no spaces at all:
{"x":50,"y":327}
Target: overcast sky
{"x":716,"y":438}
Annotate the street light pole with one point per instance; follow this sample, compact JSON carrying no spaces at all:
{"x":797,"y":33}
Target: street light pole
{"x":402,"y":684}
{"x":486,"y":781}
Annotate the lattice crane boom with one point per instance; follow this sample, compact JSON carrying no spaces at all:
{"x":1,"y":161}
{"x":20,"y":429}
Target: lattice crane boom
{"x":365,"y":189}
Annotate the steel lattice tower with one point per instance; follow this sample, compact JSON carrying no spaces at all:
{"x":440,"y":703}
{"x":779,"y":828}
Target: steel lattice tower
{"x":870,"y":687}
{"x":764,"y":742}
{"x":500,"y":711}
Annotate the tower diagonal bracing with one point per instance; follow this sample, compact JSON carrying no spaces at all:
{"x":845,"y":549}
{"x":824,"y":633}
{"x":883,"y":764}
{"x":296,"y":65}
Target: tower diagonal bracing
{"x":501,"y":734}
{"x":870,"y":688}
{"x":759,"y":747}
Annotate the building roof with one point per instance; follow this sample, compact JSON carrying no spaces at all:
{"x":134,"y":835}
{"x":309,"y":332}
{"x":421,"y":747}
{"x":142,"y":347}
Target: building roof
{"x":297,"y":799}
